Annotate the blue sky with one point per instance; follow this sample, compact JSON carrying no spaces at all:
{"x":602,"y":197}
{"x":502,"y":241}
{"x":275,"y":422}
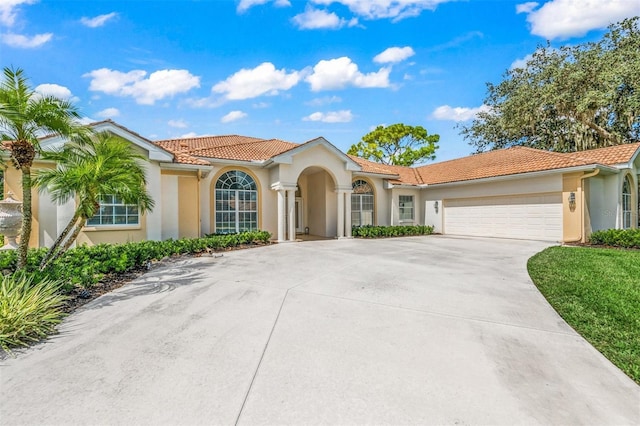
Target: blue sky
{"x":287,"y":69}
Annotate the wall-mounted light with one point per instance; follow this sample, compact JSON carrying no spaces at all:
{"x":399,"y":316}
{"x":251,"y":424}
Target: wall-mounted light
{"x":435,"y":206}
{"x":572,"y":200}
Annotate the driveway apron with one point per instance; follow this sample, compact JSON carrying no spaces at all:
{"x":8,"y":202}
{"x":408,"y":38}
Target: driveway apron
{"x":420,"y":330}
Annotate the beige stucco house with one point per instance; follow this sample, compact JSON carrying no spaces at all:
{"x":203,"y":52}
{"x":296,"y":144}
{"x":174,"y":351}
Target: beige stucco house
{"x":233,"y":183}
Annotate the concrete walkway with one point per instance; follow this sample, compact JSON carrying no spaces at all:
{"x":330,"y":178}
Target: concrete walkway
{"x":422,"y":330}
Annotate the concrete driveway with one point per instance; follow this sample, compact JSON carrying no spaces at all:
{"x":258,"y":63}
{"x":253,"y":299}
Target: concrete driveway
{"x":422,"y":330}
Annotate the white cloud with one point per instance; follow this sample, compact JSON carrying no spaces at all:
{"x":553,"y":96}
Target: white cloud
{"x":561,"y":19}
{"x":264,"y":79}
{"x":97,"y":21}
{"x":233,"y":116}
{"x":394,"y":54}
{"x":26,"y":42}
{"x":324,"y":101}
{"x":313,"y":19}
{"x":146,"y":91}
{"x":445,"y":112}
{"x":9,"y":12}
{"x":260,"y":105}
{"x":342,"y":72}
{"x":521,"y":62}
{"x":526,"y":7}
{"x":382,"y":9}
{"x":343,"y":116}
{"x":245,"y":5}
{"x":188,"y":135}
{"x":179,"y":124}
{"x":109,"y":113}
{"x":56,"y":90}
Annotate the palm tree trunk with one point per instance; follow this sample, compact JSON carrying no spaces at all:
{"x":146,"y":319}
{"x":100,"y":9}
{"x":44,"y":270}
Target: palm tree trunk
{"x":25,"y":232}
{"x":70,"y":240}
{"x":46,"y":260}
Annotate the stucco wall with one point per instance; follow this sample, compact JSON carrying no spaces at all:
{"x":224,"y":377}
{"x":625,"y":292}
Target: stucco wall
{"x":169,"y":207}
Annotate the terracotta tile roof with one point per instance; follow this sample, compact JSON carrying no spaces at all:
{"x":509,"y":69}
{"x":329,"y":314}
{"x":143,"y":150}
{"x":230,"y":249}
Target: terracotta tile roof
{"x":371,"y":167}
{"x":502,"y":162}
{"x":231,"y":147}
{"x":608,"y":156}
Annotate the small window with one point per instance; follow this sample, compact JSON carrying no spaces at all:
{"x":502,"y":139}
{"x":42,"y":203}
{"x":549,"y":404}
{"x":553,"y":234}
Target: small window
{"x":406,"y":207}
{"x":627,"y":212}
{"x":114,"y":212}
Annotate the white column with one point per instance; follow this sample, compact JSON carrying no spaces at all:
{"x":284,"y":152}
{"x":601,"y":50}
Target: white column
{"x":281,"y":225}
{"x":291,"y":213}
{"x":340,"y":214}
{"x":347,"y":214}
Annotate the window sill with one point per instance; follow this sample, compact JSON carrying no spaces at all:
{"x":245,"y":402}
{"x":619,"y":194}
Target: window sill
{"x":93,"y":228}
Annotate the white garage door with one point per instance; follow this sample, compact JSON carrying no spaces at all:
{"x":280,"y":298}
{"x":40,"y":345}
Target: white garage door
{"x":536,"y":217}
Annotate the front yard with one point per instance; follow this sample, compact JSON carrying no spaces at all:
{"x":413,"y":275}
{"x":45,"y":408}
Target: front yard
{"x":597,"y":291}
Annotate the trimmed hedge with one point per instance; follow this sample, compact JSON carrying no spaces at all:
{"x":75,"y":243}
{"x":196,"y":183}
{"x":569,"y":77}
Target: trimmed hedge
{"x":369,"y":231}
{"x":85,"y":265}
{"x":625,"y":238}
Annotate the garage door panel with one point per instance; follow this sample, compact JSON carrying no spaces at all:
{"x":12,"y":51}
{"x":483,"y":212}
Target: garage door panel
{"x":528,"y":217}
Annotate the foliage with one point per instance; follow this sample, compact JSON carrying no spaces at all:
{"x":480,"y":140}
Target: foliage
{"x":626,"y":238}
{"x":397,"y":144}
{"x":568,"y":99}
{"x":29,"y":309}
{"x":390,"y":231}
{"x":86,"y":265}
{"x":597,"y":291}
{"x":24,"y":116}
{"x":86,"y":169}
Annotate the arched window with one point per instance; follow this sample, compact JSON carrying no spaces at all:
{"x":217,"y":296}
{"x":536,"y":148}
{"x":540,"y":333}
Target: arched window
{"x":627,"y":210}
{"x":236,"y":203}
{"x":362,"y":204}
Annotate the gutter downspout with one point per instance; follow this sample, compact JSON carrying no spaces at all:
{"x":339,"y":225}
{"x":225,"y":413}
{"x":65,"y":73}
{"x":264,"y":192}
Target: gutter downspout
{"x":583,"y":237}
{"x":199,"y":177}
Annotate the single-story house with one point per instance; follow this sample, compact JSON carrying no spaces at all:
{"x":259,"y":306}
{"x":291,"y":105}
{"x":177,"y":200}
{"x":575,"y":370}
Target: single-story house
{"x":221,"y":184}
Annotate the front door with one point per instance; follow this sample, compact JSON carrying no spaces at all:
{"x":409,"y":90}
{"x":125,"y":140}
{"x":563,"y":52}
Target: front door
{"x":299,"y":216}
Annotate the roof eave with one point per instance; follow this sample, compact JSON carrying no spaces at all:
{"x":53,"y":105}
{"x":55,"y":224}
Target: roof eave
{"x":212,"y":160}
{"x":378,"y":175}
{"x":585,"y":168}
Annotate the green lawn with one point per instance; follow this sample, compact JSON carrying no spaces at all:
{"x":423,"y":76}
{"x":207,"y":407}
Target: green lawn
{"x":596,"y":291}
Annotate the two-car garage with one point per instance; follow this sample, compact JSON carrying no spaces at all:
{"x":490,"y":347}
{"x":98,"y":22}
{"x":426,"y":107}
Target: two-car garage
{"x":537,"y":216}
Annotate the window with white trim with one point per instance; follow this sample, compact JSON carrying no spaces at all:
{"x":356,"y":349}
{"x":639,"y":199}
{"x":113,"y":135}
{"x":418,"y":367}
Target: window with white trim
{"x":361,"y":203}
{"x":236,"y":203}
{"x":114,"y":212}
{"x":627,"y":211}
{"x":405,"y":206}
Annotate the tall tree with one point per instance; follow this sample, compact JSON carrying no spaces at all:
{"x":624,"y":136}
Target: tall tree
{"x":397,"y":144}
{"x":87,"y":169}
{"x":567,"y":99}
{"x":24,"y":116}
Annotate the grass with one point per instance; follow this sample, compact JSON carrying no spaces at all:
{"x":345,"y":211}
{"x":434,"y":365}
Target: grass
{"x":597,"y":292}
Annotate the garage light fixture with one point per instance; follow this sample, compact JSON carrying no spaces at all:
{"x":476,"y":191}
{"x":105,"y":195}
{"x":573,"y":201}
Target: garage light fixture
{"x":572,"y":200}
{"x":435,"y":206}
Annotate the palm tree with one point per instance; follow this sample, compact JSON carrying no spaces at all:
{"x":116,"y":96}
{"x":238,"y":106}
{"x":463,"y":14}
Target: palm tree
{"x":86,"y":170}
{"x":24,"y":116}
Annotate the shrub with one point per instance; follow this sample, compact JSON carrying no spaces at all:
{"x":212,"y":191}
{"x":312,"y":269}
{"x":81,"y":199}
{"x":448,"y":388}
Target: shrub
{"x":626,"y":238}
{"x":29,"y":310}
{"x":369,"y":231}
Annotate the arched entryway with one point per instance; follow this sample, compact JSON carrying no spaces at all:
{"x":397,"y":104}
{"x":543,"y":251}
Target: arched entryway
{"x":316,"y":203}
